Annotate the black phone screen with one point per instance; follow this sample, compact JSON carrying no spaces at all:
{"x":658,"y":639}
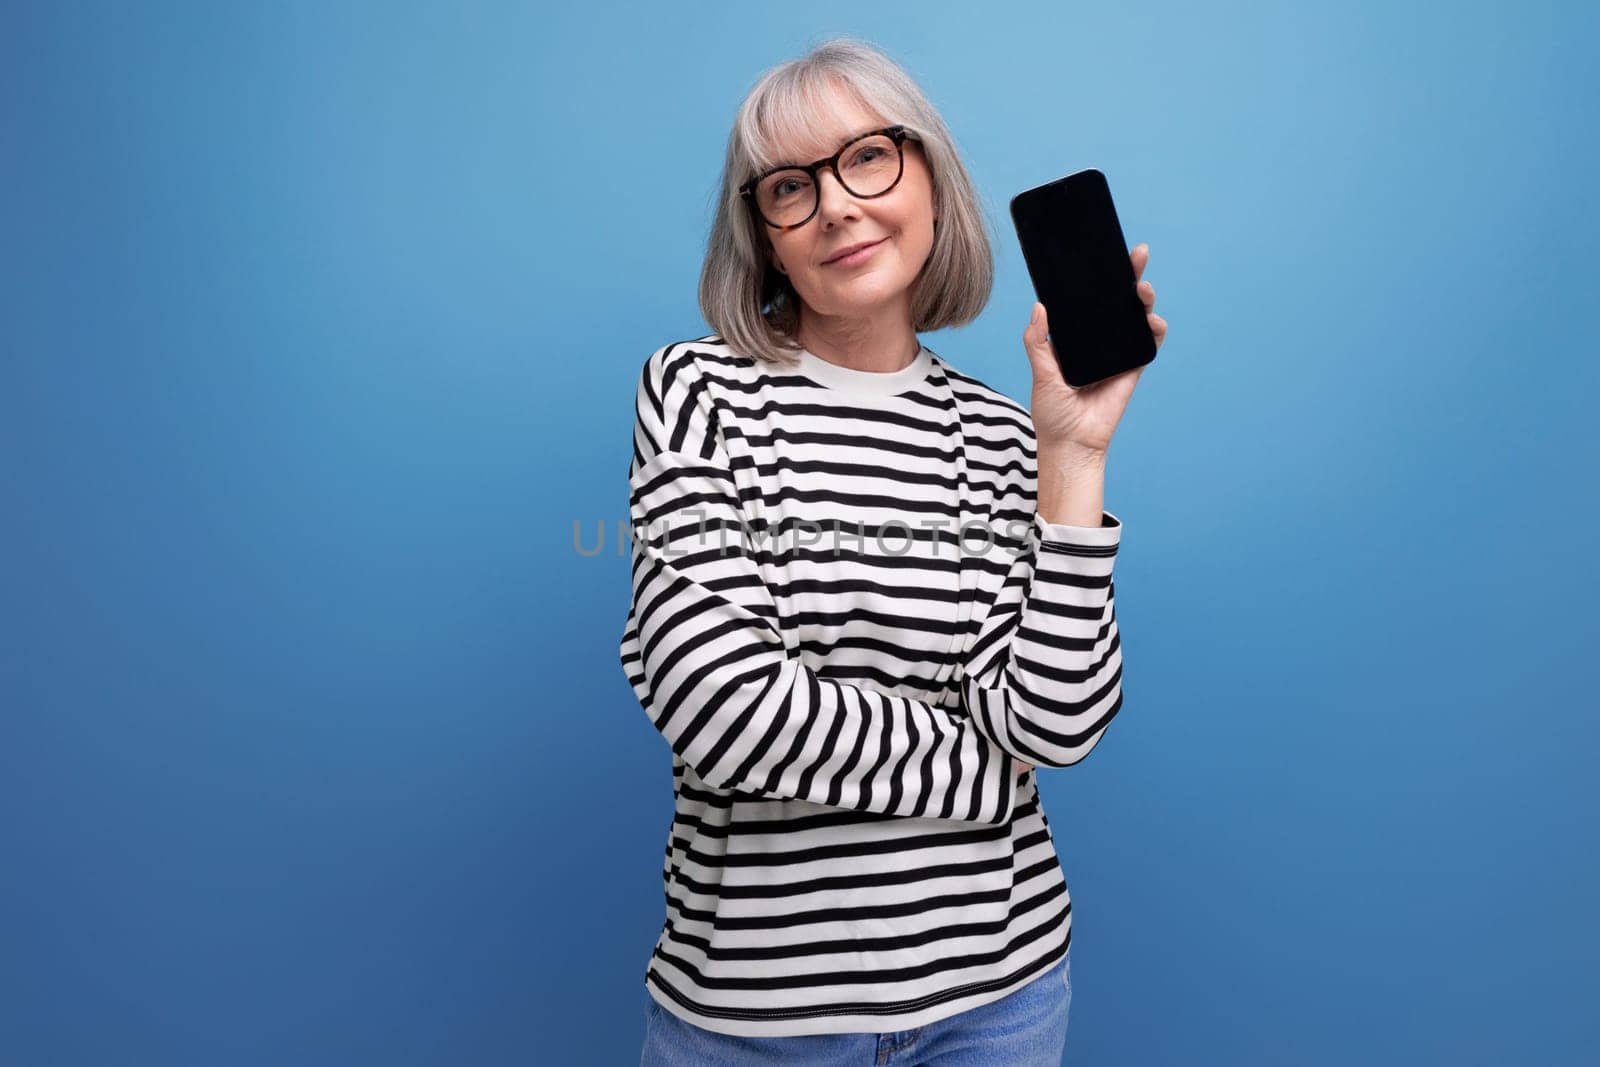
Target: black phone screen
{"x":1073,"y":245}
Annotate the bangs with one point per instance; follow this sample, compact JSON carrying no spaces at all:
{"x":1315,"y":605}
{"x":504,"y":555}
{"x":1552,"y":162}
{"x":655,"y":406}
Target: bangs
{"x":800,"y":120}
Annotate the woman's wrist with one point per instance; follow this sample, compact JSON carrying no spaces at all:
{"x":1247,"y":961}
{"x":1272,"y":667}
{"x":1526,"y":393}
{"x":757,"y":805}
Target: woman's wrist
{"x":1070,"y":455}
{"x":1071,"y":486}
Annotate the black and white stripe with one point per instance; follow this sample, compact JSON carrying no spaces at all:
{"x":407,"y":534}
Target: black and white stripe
{"x":847,"y":619}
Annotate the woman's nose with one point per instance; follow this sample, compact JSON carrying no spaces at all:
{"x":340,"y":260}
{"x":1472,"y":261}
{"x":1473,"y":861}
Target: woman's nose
{"x":832,"y":196}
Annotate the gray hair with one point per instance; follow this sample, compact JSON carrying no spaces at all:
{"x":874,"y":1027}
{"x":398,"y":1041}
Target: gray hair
{"x":751,"y":304}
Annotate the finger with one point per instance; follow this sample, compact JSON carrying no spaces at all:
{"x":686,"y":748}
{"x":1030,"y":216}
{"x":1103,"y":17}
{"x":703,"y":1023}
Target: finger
{"x":1147,"y":293}
{"x":1036,"y":339}
{"x":1158,"y":329}
{"x":1141,"y":259}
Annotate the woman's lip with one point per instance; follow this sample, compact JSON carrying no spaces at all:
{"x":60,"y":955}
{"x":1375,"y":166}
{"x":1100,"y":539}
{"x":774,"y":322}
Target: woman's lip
{"x":855,"y":257}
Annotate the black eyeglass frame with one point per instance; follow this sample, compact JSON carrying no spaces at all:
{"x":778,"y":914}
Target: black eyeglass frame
{"x":898,"y":133}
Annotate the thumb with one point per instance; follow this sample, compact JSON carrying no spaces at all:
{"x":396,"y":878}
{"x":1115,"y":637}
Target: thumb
{"x":1036,"y":339}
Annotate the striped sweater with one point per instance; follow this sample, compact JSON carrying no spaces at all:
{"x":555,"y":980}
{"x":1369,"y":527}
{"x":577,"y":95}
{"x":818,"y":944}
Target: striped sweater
{"x":849,"y":622}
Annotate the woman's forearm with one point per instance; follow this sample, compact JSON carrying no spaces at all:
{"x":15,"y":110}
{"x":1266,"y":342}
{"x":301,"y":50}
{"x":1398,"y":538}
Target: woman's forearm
{"x":1071,"y":486}
{"x":1071,"y":492}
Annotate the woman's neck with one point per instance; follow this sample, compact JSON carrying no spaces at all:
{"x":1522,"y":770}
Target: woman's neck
{"x":884,"y":346}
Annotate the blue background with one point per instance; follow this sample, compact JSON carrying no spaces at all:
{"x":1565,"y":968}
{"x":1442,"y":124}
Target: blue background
{"x":321,"y":325}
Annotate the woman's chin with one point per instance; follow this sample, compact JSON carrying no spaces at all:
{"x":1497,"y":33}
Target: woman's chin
{"x":866,"y":290}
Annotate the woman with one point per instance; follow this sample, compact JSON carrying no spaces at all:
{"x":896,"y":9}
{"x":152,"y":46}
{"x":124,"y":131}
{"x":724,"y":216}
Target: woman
{"x":870,"y":593}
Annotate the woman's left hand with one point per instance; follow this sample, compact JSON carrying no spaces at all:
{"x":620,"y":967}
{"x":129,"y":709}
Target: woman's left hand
{"x":1072,"y":420}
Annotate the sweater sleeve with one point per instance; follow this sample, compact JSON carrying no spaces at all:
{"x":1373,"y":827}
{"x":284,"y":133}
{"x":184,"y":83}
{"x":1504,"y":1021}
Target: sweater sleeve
{"x":703,"y":650}
{"x":1044,"y":675}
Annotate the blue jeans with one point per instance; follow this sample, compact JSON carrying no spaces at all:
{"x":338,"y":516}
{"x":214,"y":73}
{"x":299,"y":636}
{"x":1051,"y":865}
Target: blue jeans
{"x":1025,"y":1028}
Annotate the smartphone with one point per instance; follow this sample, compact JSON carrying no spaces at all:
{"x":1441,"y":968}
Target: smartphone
{"x":1078,"y":260}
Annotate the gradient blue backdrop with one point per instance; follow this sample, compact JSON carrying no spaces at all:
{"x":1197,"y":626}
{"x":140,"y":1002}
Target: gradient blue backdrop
{"x":321,"y":325}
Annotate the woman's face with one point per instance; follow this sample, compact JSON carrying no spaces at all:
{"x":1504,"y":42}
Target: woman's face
{"x":901,"y":220}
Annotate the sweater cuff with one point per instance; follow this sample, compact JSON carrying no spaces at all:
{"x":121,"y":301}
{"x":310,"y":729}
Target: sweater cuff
{"x":1107,"y":535}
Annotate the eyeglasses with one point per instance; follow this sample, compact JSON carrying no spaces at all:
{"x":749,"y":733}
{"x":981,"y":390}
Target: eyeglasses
{"x":786,"y":197}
